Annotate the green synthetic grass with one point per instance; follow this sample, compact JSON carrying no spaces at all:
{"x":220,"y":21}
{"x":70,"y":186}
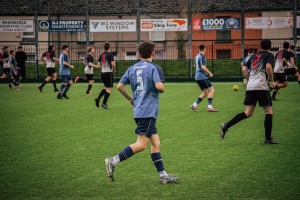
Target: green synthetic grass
{"x":55,"y":149}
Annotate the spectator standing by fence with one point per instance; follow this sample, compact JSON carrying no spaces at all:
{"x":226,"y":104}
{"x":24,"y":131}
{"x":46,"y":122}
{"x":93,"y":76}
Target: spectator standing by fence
{"x":21,"y":58}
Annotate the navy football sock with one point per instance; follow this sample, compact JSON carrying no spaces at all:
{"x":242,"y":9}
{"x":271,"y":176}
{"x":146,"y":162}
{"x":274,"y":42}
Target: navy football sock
{"x":268,"y":126}
{"x":157,"y":161}
{"x":125,"y":153}
{"x":198,"y":100}
{"x":210,"y":100}
{"x":236,"y":119}
{"x":62,"y":87}
{"x":66,"y":89}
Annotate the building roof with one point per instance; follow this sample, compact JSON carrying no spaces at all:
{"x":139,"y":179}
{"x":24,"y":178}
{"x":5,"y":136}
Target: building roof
{"x":128,"y":7}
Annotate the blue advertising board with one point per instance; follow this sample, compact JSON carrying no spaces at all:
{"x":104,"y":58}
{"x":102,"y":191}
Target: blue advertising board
{"x":62,"y":25}
{"x":220,"y":24}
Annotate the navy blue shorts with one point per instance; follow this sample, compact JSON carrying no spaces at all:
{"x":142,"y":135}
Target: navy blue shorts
{"x":65,"y":78}
{"x":145,"y":126}
{"x":204,"y":84}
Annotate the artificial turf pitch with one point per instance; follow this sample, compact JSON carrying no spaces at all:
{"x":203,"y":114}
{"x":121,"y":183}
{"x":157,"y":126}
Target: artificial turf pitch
{"x":55,"y":149}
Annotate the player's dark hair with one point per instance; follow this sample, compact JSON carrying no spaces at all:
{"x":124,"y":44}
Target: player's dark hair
{"x":293,"y":47}
{"x":201,"y":47}
{"x":50,"y":48}
{"x":106,"y":46}
{"x":20,"y":47}
{"x":65,"y":46}
{"x":90,"y":49}
{"x":11,"y":51}
{"x":5,"y":47}
{"x":145,"y":49}
{"x":286,"y":45}
{"x":265,"y":44}
{"x":250,"y":50}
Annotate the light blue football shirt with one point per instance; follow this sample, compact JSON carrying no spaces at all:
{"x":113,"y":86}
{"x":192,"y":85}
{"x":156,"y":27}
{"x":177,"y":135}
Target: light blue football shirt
{"x":142,"y":77}
{"x":64,"y":70}
{"x":199,"y":61}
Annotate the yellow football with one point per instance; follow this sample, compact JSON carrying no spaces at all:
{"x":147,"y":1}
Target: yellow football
{"x":235,"y":88}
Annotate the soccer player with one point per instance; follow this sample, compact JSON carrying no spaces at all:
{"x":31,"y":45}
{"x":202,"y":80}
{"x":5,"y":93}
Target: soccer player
{"x":292,"y":69}
{"x":261,"y":65}
{"x":147,"y":81}
{"x":244,"y":61}
{"x":49,"y":59}
{"x":6,"y":65}
{"x":88,"y":70}
{"x":65,"y":72}
{"x":204,"y":83}
{"x":108,"y":66}
{"x":14,"y":71}
{"x":281,"y":60}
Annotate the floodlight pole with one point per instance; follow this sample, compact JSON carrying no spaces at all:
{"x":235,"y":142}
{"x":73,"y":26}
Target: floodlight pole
{"x":190,"y":37}
{"x":48,"y":19}
{"x":242,"y":27}
{"x":36,"y":40}
{"x":87,"y":23}
{"x":295,"y":26}
{"x":138,"y":21}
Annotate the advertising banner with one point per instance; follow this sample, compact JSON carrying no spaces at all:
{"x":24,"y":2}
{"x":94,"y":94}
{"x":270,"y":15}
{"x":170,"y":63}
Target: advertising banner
{"x":121,"y":25}
{"x":62,"y":25}
{"x":196,"y":24}
{"x":211,"y":24}
{"x":268,"y":22}
{"x":16,"y":26}
{"x":164,"y":25}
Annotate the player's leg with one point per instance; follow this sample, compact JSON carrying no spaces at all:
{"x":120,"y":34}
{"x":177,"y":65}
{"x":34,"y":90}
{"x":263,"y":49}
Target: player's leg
{"x":17,"y":81}
{"x":103,"y":91}
{"x":54,"y":77}
{"x":90,"y":80}
{"x":68,"y":85}
{"x":109,"y":85}
{"x":46,"y":80}
{"x":204,"y":94}
{"x":281,"y":83}
{"x":250,"y":103}
{"x":265,"y":101}
{"x":62,"y":86}
{"x":210,"y":97}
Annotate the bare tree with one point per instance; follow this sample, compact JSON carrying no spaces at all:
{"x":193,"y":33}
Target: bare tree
{"x":181,"y":36}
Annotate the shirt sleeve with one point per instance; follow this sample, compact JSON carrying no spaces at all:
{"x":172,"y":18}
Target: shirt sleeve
{"x":90,"y":59}
{"x":203,"y":60}
{"x":100,"y":60}
{"x":270,"y":60}
{"x":65,"y":57}
{"x":158,"y":75}
{"x":286,"y":55}
{"x":249,"y":61}
{"x":125,"y":78}
{"x":111,"y":57}
{"x":52,"y":55}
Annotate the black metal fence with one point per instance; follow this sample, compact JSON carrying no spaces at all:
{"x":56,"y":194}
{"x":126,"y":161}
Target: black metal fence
{"x":176,"y":60}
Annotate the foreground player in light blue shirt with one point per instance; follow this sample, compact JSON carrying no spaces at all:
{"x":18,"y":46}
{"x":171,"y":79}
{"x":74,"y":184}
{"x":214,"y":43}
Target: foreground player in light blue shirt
{"x":147,"y":81}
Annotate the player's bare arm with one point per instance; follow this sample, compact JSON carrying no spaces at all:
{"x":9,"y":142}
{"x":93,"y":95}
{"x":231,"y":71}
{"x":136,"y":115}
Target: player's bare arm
{"x":121,"y":88}
{"x":269,"y":70}
{"x":245,"y":72}
{"x":206,"y":71}
{"x":93,"y":65}
{"x":68,"y":65}
{"x":113,"y":65}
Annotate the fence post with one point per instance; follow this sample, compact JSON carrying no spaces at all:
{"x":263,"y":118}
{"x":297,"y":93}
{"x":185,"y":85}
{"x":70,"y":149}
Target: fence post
{"x":190,"y":37}
{"x":36,"y":40}
{"x":138,"y":21}
{"x":295,"y":27}
{"x":242,"y":27}
{"x":87,"y":32}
